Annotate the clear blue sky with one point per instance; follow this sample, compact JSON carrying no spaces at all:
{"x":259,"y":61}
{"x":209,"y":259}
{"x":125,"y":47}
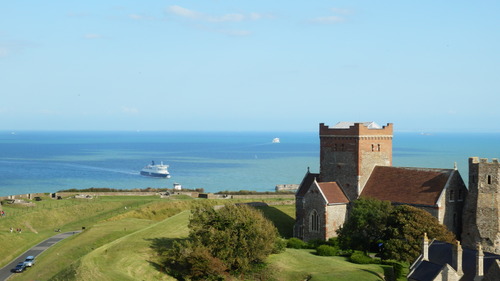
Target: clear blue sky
{"x":249,"y":65}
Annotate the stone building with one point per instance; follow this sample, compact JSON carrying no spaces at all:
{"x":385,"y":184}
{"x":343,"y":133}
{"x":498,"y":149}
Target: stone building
{"x":356,"y":160}
{"x":442,"y":261}
{"x":482,"y":207}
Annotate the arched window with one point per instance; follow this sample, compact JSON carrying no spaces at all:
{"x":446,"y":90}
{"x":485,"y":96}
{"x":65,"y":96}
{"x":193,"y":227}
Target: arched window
{"x":314,"y":221}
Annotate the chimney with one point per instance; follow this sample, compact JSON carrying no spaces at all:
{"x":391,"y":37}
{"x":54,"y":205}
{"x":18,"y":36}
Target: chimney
{"x":479,"y":263}
{"x":457,"y":258}
{"x":425,"y":248}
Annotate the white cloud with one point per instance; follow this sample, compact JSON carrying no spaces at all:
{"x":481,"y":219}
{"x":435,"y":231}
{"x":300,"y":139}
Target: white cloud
{"x":183,"y":12}
{"x":92,"y":36}
{"x":129,"y":110}
{"x":341,"y":11}
{"x":232,"y":17}
{"x":333,"y":19}
{"x":330,"y":19}
{"x":4,"y":51}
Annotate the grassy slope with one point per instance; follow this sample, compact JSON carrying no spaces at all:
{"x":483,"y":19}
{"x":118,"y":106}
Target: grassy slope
{"x":122,"y":248}
{"x":298,"y":264}
{"x":38,"y":223}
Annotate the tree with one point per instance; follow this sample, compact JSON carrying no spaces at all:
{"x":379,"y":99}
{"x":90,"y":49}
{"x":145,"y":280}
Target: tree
{"x":366,"y":225}
{"x":406,"y":228}
{"x":399,"y":229}
{"x":230,"y":240}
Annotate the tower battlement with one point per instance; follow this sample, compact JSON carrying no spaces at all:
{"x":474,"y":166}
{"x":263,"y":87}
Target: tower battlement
{"x":355,"y":129}
{"x":477,"y":160}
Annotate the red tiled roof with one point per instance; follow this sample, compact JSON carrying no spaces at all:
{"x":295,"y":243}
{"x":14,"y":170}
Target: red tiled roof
{"x":333,"y":192}
{"x":407,"y":185}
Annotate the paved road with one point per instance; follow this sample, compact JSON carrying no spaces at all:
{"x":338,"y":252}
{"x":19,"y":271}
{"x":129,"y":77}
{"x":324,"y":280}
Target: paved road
{"x":35,"y":251}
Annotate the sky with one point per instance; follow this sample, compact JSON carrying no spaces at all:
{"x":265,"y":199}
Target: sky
{"x":430,"y":66}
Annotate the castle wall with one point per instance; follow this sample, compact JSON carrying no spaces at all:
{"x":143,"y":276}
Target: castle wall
{"x":481,"y":220}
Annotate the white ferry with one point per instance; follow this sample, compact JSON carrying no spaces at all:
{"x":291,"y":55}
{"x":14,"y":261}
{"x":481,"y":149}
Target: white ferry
{"x":276,"y":140}
{"x":153,"y":170}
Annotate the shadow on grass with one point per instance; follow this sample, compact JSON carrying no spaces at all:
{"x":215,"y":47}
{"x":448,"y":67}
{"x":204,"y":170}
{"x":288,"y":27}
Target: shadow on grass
{"x":160,"y":245}
{"x":374,"y":273}
{"x":283,"y":222}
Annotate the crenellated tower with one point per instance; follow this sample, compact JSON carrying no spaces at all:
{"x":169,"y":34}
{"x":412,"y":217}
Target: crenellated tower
{"x":350,"y":151}
{"x":481,"y":220}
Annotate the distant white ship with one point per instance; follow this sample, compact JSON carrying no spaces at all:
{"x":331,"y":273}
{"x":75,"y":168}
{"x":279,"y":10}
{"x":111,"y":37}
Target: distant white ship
{"x":153,"y":170}
{"x":276,"y":140}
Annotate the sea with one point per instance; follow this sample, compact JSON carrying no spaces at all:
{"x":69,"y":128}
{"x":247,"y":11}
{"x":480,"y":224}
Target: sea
{"x":49,"y":161}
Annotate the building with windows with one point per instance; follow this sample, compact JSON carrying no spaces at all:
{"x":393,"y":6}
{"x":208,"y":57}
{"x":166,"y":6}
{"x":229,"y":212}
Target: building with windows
{"x":356,"y":161}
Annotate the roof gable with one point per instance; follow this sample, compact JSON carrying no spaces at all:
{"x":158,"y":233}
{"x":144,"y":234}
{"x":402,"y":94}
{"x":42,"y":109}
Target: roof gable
{"x":420,"y":186}
{"x":306,"y":184}
{"x":332,"y":192}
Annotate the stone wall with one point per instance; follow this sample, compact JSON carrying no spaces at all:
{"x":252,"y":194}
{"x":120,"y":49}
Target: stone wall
{"x":481,"y":217}
{"x":336,"y":215}
{"x":348,"y":155}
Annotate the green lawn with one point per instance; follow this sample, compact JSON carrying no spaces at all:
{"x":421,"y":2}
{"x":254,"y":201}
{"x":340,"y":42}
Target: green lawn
{"x":297,"y":265}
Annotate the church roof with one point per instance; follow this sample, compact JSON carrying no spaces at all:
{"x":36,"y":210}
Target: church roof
{"x":332,"y":192}
{"x":420,"y":186}
{"x":347,"y":124}
{"x":306,"y":183}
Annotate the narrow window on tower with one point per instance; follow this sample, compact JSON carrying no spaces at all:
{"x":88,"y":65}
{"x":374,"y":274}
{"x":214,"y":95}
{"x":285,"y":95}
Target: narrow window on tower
{"x":489,"y":179}
{"x":378,"y":146}
{"x":373,"y":147}
{"x":460,"y":195}
{"x":452,"y":195}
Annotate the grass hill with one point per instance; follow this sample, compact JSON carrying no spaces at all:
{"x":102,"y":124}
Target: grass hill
{"x":121,"y":243}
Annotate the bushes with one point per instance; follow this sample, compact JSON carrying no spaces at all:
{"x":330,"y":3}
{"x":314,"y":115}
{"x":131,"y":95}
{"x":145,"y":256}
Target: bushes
{"x":230,"y":240}
{"x":360,"y":258}
{"x":296,"y":243}
{"x":325,"y":250}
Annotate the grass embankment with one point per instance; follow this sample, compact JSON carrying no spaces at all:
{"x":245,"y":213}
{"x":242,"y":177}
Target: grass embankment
{"x":122,"y":244}
{"x":39,"y":221}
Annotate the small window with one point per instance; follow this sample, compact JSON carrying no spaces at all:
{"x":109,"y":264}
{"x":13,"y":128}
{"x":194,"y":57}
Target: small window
{"x":460,"y":195}
{"x":489,"y":179}
{"x":373,"y":147}
{"x":452,"y":195}
{"x":378,"y":146}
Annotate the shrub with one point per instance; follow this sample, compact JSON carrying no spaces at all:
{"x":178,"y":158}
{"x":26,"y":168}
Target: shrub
{"x":397,"y":267}
{"x":325,"y":250}
{"x":360,"y":258}
{"x":315,"y":243}
{"x":230,"y":240}
{"x":296,"y":243}
{"x":280,"y":245}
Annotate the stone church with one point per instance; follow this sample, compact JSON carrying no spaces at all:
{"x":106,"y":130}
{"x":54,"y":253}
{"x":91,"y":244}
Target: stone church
{"x":356,"y":161}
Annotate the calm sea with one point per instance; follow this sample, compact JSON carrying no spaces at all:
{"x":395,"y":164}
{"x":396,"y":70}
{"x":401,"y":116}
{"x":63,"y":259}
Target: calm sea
{"x":50,"y":161}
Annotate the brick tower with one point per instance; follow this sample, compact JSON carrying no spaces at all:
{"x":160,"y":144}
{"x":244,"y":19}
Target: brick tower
{"x":349,"y":152}
{"x":481,"y":216}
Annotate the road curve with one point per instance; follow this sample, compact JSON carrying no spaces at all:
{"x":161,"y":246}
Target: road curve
{"x":5,"y":272}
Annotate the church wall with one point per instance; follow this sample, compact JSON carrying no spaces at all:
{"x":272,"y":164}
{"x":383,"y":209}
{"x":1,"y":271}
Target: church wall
{"x":335,"y":218}
{"x":313,"y":202}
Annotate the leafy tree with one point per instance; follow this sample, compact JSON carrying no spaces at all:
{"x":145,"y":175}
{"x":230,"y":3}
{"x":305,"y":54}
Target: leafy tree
{"x":230,"y":240}
{"x":366,"y":225}
{"x":406,"y":228}
{"x":399,"y":229}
